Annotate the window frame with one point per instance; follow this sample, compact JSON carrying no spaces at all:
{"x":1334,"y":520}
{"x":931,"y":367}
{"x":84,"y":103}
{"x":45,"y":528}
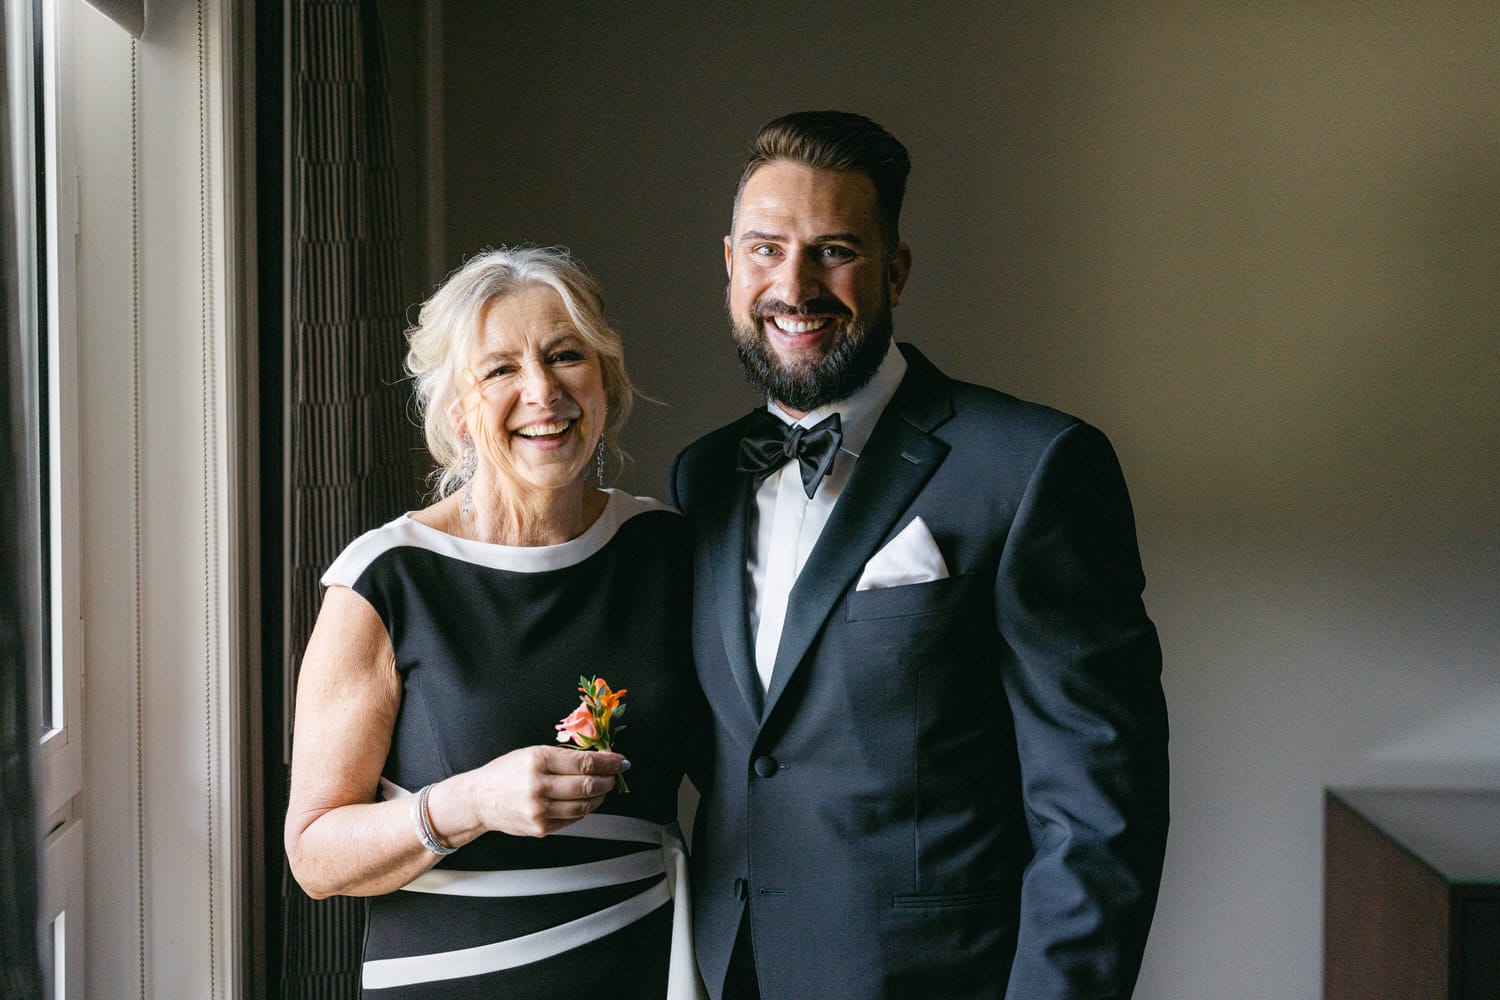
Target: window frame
{"x":61,"y":747}
{"x":46,"y":177}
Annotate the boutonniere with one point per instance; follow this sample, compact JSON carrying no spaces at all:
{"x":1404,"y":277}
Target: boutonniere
{"x":594,"y":723}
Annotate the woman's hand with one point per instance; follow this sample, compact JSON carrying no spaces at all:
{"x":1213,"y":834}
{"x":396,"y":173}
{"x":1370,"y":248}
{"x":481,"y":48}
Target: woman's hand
{"x":530,"y":792}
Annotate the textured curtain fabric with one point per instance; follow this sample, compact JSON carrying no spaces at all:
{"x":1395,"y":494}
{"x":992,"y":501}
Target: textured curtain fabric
{"x":350,"y":460}
{"x":20,"y":973}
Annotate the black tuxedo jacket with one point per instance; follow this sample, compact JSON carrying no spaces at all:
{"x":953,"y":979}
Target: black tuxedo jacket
{"x":951,"y":789}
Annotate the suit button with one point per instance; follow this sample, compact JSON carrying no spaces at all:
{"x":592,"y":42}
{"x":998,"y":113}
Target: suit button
{"x":765,"y":766}
{"x":741,"y":889}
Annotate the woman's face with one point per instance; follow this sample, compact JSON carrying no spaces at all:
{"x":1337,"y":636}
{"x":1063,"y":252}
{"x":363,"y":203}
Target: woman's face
{"x":536,"y":403}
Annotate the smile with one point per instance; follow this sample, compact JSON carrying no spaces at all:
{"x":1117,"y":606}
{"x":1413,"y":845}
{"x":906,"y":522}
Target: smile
{"x":795,"y":325}
{"x":544,"y":430}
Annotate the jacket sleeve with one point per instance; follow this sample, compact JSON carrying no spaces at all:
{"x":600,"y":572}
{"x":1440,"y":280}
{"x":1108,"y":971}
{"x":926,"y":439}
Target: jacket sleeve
{"x":696,"y":732}
{"x":674,"y":492}
{"x":1084,"y":687}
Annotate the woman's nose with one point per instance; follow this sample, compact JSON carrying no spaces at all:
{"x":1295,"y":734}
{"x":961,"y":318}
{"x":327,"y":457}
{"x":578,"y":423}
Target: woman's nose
{"x":539,"y":385}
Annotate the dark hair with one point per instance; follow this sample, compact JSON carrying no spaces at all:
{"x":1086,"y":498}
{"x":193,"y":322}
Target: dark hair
{"x":837,"y":140}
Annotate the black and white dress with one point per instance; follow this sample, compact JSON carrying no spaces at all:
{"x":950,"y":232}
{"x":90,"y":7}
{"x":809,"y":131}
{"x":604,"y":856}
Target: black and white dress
{"x":490,"y":641}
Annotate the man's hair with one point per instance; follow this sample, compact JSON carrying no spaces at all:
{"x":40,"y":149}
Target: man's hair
{"x":837,"y":140}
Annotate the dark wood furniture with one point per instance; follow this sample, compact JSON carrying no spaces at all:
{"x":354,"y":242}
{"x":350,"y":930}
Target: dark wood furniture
{"x":1411,"y":903}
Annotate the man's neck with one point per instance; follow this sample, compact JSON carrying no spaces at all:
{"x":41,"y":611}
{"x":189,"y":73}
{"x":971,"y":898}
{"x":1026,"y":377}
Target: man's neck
{"x":860,"y":410}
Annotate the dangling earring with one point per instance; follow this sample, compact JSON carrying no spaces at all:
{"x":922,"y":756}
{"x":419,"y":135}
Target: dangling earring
{"x":466,"y":470}
{"x":599,"y":459}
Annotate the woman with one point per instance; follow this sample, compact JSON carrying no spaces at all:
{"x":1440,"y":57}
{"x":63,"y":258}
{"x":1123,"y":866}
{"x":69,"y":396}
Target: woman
{"x":452,"y":640}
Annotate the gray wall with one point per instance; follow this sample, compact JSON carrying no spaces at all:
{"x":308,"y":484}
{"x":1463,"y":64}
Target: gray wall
{"x":1259,"y":245}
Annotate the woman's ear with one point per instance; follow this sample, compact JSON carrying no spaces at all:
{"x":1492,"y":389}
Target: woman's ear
{"x":456,"y":419}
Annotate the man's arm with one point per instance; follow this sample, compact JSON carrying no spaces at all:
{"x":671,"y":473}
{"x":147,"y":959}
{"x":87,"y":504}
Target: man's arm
{"x":674,"y":490}
{"x":1084,"y":686}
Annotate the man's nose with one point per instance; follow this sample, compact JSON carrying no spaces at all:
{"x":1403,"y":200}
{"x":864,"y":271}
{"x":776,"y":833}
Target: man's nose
{"x":797,"y":280}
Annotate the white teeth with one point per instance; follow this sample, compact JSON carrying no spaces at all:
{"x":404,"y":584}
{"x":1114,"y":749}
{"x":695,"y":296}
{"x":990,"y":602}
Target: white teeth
{"x":539,"y":430}
{"x":787,"y":324}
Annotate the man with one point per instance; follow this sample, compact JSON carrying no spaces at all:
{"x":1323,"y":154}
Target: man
{"x":939,"y":740}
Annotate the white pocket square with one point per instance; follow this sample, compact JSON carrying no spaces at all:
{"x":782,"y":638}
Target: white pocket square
{"x":910,"y":557}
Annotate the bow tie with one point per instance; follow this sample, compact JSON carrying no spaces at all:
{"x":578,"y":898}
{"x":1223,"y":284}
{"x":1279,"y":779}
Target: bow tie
{"x":769,"y":444}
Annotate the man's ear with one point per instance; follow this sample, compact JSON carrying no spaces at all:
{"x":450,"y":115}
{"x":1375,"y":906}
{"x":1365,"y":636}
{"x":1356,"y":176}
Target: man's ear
{"x":729,"y":256}
{"x":897,"y":270}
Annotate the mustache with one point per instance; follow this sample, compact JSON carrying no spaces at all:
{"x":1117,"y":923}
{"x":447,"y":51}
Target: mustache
{"x":812,"y":307}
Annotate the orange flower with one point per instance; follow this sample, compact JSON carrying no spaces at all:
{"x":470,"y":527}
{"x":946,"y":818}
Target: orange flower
{"x":591,"y":725}
{"x":607,"y":698}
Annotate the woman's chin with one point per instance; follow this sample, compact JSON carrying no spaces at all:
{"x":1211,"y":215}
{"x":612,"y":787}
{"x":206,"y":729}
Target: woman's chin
{"x":549,"y":477}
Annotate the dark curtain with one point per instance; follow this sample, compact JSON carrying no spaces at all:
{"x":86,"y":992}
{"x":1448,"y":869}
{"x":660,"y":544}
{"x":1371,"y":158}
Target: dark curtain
{"x":20,"y":972}
{"x":350,"y":458}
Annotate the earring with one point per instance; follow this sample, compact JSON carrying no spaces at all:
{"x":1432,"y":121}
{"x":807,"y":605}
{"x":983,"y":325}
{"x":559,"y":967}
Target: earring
{"x":466,"y":471}
{"x":599,"y":458}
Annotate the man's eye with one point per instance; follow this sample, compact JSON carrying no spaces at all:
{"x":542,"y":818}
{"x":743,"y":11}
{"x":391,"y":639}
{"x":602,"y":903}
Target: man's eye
{"x":835,"y":252}
{"x":763,"y":250}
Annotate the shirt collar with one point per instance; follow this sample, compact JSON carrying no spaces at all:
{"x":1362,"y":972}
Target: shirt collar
{"x":859,"y":413}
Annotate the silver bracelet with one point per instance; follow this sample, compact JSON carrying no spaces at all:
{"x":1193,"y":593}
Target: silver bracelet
{"x":423,"y":822}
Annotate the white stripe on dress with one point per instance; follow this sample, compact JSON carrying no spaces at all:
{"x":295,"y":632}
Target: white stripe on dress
{"x":683,"y":982}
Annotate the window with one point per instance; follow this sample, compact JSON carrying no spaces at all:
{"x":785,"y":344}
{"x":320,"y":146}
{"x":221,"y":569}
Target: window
{"x":91,"y":102}
{"x":45,"y":207}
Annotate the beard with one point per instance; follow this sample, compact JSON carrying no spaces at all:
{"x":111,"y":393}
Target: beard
{"x":804,"y":386}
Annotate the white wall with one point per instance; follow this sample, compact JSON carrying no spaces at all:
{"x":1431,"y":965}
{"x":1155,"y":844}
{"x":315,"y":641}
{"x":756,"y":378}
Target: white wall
{"x":1258,"y":244}
{"x":187,"y":701}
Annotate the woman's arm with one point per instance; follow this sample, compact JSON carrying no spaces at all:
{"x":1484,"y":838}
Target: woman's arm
{"x":339,"y":841}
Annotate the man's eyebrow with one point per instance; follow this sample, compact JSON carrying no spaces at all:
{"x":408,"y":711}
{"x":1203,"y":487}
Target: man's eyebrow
{"x":853,"y":238}
{"x":845,"y":237}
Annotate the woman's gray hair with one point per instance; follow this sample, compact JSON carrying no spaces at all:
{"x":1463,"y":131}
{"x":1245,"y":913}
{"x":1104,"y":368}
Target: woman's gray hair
{"x":447,"y":334}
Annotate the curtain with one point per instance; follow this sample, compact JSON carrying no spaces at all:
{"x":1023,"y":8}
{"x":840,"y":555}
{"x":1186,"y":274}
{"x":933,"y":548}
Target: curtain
{"x":350,"y":457}
{"x":128,"y":14}
{"x":20,"y":971}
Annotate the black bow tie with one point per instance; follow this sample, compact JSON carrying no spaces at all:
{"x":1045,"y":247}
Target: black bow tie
{"x":769,"y":444}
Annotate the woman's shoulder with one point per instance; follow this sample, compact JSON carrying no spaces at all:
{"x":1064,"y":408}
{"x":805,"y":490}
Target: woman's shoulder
{"x":626,"y":514}
{"x":359,"y":554}
{"x":648,"y":533}
{"x":627,"y":506}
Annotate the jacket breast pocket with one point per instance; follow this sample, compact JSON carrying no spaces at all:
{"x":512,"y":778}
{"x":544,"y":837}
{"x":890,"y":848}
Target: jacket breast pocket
{"x":906,"y":601}
{"x":894,"y":651}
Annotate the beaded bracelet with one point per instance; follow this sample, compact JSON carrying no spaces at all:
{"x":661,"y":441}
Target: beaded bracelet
{"x":423,"y":822}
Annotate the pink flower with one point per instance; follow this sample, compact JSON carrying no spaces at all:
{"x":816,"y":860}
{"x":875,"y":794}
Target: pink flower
{"x":580,"y":723}
{"x":593,"y":724}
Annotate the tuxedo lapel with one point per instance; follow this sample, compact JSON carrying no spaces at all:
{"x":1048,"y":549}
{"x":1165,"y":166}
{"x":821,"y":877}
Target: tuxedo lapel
{"x":732,"y":501}
{"x":896,"y":463}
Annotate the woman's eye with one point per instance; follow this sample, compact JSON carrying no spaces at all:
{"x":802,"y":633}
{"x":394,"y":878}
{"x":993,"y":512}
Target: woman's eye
{"x":565,"y":357}
{"x":502,"y":370}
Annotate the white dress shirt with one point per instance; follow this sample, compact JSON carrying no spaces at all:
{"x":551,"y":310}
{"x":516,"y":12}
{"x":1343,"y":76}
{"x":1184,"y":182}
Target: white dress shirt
{"x":785,"y":523}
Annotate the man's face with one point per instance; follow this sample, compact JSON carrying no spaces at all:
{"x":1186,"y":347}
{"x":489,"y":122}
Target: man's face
{"x":811,"y":285}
